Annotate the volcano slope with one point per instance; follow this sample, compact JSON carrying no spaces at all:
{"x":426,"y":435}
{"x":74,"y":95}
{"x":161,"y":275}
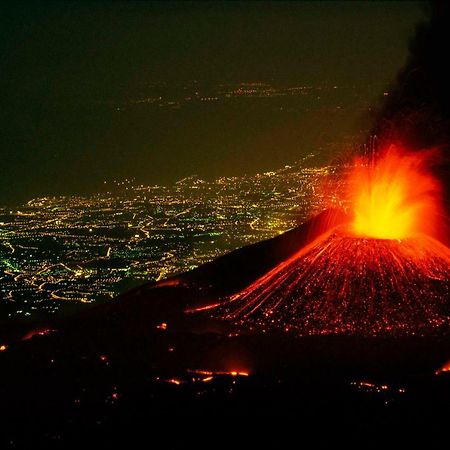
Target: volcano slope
{"x":344,"y":284}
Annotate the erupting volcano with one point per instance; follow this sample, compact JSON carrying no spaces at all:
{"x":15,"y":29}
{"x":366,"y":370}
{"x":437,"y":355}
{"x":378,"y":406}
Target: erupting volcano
{"x":384,"y":272}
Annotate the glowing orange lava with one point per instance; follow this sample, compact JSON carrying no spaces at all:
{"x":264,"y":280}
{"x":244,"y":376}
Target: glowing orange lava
{"x":384,"y":272}
{"x":395,"y":198}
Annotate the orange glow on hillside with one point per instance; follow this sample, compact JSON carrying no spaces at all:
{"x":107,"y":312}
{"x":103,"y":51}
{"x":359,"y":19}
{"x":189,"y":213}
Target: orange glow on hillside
{"x":444,"y":368}
{"x":395,"y":198}
{"x":37,"y":332}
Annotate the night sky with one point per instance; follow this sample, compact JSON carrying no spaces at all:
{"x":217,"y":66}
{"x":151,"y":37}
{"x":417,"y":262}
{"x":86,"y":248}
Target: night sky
{"x":69,"y":71}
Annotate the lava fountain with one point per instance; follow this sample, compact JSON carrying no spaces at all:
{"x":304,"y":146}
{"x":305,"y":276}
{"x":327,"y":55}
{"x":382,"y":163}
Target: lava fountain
{"x":383,"y":273}
{"x":395,"y":198}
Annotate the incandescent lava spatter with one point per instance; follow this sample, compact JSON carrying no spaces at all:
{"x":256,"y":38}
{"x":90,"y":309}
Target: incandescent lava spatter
{"x":343,"y":284}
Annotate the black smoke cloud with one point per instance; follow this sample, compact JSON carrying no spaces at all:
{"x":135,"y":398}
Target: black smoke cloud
{"x":417,"y":109}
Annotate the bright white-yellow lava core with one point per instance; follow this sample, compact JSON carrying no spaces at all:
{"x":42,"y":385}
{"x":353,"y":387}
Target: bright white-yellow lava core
{"x":393,"y":199}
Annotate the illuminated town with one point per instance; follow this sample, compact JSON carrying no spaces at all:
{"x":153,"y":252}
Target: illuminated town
{"x":291,"y":97}
{"x":56,"y":250}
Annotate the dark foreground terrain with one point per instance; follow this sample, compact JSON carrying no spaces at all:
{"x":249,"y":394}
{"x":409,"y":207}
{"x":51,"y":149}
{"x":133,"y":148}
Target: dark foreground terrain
{"x":141,"y":367}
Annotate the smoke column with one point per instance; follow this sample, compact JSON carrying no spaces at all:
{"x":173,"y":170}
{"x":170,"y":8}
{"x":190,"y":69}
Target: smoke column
{"x":417,"y":110}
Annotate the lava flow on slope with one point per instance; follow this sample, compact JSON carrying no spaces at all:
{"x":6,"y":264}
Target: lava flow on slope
{"x":383,"y":273}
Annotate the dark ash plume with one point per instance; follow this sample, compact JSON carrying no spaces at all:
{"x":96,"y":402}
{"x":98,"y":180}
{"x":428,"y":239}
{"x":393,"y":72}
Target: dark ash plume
{"x":417,"y":110}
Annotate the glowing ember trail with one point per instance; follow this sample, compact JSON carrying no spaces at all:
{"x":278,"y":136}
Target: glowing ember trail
{"x":381,"y":274}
